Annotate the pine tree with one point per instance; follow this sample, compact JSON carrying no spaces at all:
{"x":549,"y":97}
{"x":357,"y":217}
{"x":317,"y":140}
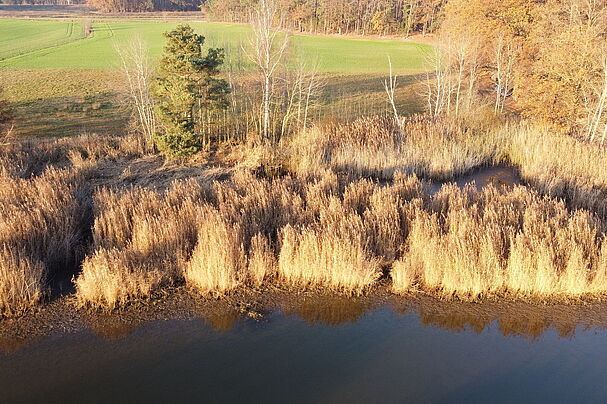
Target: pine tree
{"x":187,"y":85}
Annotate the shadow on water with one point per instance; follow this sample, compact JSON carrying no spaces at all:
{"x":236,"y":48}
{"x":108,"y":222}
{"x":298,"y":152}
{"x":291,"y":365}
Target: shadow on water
{"x":223,"y":320}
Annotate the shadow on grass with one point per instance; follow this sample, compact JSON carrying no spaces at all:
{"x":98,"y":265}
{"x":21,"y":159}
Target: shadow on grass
{"x":103,"y":113}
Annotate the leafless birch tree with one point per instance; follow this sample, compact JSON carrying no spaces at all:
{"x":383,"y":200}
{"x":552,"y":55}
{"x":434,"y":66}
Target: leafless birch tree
{"x":390,"y":85}
{"x":267,"y":49}
{"x":505,"y":56}
{"x":135,"y":66}
{"x":303,"y":86}
{"x":598,"y":124}
{"x":438,"y":79}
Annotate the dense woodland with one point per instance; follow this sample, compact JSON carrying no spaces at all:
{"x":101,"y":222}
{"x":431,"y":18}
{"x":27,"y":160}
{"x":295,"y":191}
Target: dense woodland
{"x":361,"y":17}
{"x":122,"y":6}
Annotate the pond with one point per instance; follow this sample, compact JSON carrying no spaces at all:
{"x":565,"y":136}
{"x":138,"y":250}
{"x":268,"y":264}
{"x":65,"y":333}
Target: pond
{"x":333,"y":356}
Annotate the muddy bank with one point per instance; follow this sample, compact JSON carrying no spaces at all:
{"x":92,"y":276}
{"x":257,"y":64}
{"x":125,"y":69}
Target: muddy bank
{"x":513,"y":317}
{"x":498,"y":175}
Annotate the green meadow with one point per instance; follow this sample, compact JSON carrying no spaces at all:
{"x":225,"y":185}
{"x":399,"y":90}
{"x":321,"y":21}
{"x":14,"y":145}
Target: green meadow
{"x":62,"y":81}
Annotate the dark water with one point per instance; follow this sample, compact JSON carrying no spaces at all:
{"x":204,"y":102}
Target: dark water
{"x":379,"y":357}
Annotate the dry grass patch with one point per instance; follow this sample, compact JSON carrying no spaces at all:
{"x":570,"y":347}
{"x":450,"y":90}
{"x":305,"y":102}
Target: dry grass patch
{"x":112,"y":278}
{"x":140,"y":239}
{"x":42,"y":220}
{"x":262,"y":260}
{"x":218,"y":261}
{"x":561,"y":166}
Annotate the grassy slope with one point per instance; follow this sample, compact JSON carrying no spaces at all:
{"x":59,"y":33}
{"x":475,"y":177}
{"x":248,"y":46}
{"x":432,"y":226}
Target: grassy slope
{"x":70,"y":88}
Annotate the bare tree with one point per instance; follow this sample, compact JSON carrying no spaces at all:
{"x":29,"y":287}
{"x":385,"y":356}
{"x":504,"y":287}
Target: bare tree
{"x":461,"y":59}
{"x":268,"y":47}
{"x":438,"y":79}
{"x":390,"y":85}
{"x":597,"y":119}
{"x":7,"y":137}
{"x":505,"y":56}
{"x":136,"y":68}
{"x":302,"y":87}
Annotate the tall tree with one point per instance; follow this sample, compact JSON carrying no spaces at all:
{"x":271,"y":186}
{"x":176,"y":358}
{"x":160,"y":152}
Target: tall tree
{"x":136,"y":68}
{"x":268,"y":46}
{"x":187,"y":85}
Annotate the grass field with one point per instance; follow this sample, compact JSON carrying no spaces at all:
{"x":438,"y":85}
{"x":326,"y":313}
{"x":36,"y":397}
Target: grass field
{"x":18,"y":37}
{"x":62,"y":83}
{"x":31,"y":39}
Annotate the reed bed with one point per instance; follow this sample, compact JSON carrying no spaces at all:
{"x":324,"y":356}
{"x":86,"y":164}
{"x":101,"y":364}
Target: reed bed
{"x":45,"y":212}
{"x":354,"y":208}
{"x":42,"y":225}
{"x":140,"y":238}
{"x":472,"y":244}
{"x":339,"y":261}
{"x":560,"y":165}
{"x":443,"y":148}
{"x":246,"y":231}
{"x":21,"y":282}
{"x":341,"y":235}
{"x":377,"y":147}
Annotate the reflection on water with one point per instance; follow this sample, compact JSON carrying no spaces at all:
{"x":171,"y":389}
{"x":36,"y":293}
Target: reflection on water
{"x":510,"y":318}
{"x":223,"y":320}
{"x":111,"y":327}
{"x":334,"y":310}
{"x":324,"y":349}
{"x":10,"y":343}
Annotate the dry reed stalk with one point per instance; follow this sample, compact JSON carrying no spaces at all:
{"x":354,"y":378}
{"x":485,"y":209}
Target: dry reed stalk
{"x":21,"y":283}
{"x":41,"y":231}
{"x":492,"y":242}
{"x":262,"y":260}
{"x":218,"y":262}
{"x":140,"y":239}
{"x":334,"y":257}
{"x":112,"y":278}
{"x":431,"y":148}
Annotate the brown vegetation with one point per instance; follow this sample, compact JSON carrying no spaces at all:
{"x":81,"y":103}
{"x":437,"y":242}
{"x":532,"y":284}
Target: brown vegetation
{"x":430,"y":148}
{"x":472,"y":243}
{"x":323,"y":226}
{"x":42,"y":221}
{"x":45,"y":212}
{"x":549,"y":55}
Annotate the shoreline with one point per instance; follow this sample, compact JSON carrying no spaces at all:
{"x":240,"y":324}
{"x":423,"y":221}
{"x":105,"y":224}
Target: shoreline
{"x":514,"y":316}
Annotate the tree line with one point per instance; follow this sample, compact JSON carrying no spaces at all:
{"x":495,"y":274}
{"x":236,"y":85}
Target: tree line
{"x":133,"y":6}
{"x":361,"y":17}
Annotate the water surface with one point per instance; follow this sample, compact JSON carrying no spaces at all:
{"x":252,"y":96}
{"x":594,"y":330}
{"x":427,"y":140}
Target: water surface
{"x":310,"y":356}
